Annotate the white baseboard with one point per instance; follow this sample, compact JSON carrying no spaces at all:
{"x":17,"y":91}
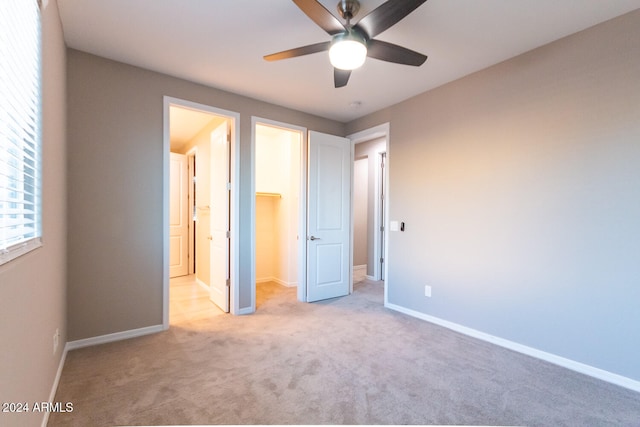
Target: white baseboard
{"x":203,"y":285}
{"x":245,"y":311}
{"x":56,"y":381}
{"x":286,"y":284}
{"x":118,"y":336}
{"x":278,"y":281}
{"x":103,"y":339}
{"x":582,"y":368}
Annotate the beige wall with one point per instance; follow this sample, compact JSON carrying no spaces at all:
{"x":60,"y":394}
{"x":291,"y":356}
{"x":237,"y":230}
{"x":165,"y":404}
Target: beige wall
{"x":115,"y":171}
{"x":33,"y":287}
{"x":520,"y":188}
{"x":360,"y":198}
{"x":267,"y":242}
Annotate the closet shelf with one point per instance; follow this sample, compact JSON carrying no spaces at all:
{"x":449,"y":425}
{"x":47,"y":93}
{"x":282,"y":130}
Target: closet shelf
{"x":268,"y":195}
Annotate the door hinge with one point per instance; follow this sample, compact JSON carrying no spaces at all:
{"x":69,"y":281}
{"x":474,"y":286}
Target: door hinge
{"x":228,"y":186}
{"x":228,"y":283}
{"x":228,"y":234}
{"x":381,"y":260}
{"x":382,"y":228}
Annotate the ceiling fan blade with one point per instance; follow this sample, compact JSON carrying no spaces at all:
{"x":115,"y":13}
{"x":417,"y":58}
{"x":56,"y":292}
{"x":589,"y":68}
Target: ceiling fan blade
{"x":341,"y":77}
{"x":299,"y":51}
{"x":393,"y":53}
{"x":321,"y":16}
{"x":387,"y":15}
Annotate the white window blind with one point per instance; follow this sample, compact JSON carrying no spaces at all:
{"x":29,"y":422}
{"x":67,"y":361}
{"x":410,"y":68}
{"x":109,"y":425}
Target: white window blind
{"x":20,"y":122}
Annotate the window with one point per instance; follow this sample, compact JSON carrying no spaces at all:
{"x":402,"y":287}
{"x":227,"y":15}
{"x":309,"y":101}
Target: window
{"x":20,"y":134}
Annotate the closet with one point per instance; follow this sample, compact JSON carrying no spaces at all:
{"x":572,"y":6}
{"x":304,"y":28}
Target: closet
{"x":277,"y":184}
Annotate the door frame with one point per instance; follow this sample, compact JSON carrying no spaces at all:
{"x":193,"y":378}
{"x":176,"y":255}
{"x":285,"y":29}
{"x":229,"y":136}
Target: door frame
{"x":302,"y":211}
{"x":234,"y":216}
{"x":380,"y":131}
{"x":192,"y":155}
{"x":380,"y":213}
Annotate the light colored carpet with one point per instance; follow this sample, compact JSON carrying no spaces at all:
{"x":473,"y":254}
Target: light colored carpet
{"x":342,"y":361}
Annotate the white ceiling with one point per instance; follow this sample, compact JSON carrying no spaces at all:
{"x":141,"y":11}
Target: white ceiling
{"x":185,"y":125}
{"x":221,"y":43}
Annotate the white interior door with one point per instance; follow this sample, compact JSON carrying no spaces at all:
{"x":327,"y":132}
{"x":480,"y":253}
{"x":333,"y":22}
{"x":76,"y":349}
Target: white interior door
{"x":329,"y":214}
{"x":220,"y":193}
{"x":178,"y":216}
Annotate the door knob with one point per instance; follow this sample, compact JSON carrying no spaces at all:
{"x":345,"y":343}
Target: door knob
{"x":210,"y":237}
{"x":314,"y":238}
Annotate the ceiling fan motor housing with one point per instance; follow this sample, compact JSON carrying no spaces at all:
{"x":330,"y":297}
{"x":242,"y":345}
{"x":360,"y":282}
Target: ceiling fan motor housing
{"x":348,"y":8}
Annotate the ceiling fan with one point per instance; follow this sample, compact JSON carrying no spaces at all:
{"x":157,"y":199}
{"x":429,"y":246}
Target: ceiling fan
{"x":352,"y":43}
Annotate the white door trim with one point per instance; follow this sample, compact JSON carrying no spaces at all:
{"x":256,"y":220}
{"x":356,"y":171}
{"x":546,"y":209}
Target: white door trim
{"x":380,"y":218}
{"x":380,"y":131}
{"x":302,"y":223}
{"x":234,"y":252}
{"x":192,"y":155}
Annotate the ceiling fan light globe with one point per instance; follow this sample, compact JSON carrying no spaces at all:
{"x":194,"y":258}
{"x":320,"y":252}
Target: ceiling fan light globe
{"x":347,"y":53}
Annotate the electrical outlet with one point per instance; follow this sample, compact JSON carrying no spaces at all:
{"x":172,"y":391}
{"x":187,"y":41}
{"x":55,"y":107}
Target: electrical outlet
{"x":427,"y":291}
{"x":56,"y":340}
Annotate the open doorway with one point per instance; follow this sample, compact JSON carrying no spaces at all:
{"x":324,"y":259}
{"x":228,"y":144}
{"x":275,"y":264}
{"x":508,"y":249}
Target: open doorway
{"x":190,"y":192}
{"x":370,"y":203}
{"x":201,"y":201}
{"x":324,"y":212}
{"x":368,"y":212}
{"x":278,"y":186}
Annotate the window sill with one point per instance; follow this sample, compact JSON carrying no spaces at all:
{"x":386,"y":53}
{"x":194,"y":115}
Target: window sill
{"x":18,"y":250}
